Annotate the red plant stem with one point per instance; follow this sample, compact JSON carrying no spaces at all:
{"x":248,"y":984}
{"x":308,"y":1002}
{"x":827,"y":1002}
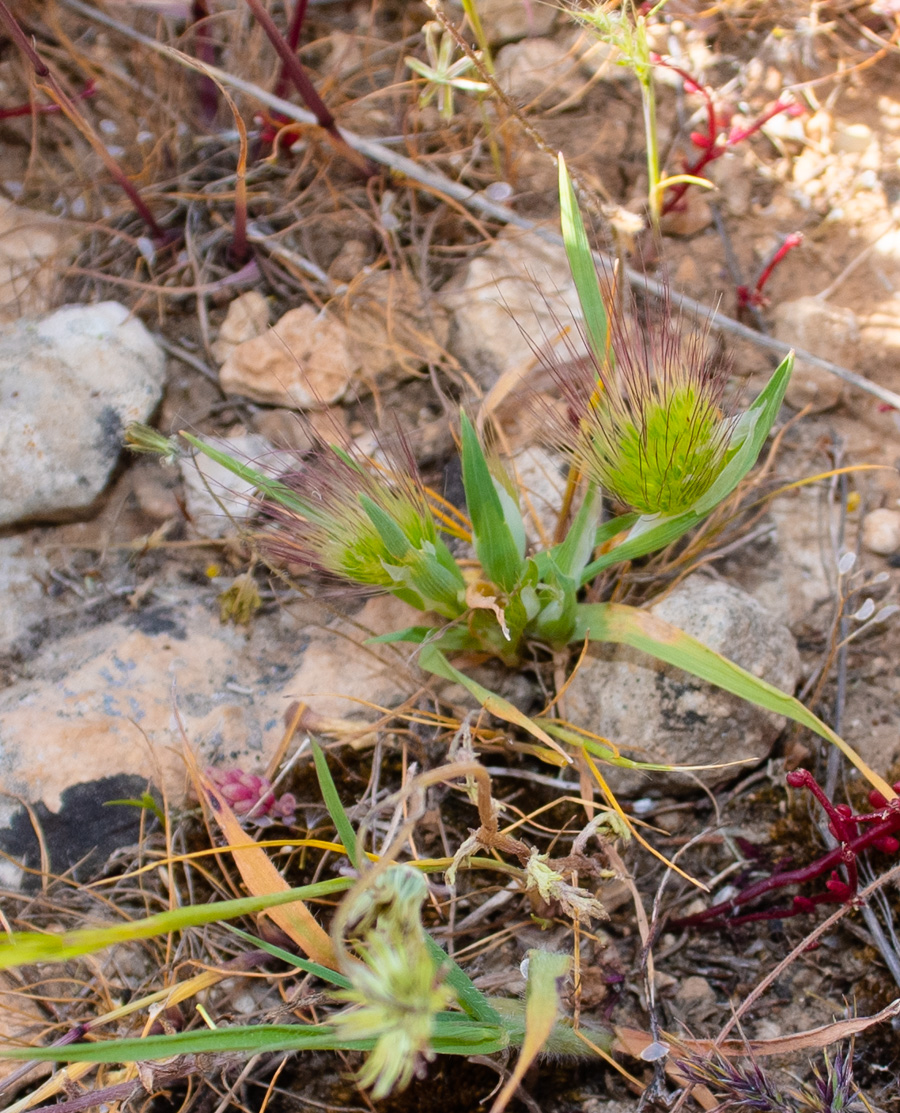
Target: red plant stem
{"x":45,"y":109}
{"x":293,"y":41}
{"x":294,"y":70}
{"x":70,"y":108}
{"x":884,"y":824}
{"x":206,"y":52}
{"x":712,"y":146}
{"x":790,"y":242}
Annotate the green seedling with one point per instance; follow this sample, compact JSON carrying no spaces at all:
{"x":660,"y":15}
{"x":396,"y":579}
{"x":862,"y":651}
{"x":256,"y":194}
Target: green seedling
{"x":444,"y":75}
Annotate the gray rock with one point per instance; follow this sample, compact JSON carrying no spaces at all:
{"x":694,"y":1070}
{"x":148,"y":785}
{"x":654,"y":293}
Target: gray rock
{"x":69,"y":384}
{"x":827,"y":331}
{"x":658,"y":713}
{"x":517,"y":296}
{"x":23,"y":595}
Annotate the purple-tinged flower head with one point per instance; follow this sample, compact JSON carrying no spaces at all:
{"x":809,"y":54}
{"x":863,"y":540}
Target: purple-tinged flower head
{"x":648,"y":424}
{"x":370,"y":524}
{"x":740,"y":1087}
{"x":249,"y":794}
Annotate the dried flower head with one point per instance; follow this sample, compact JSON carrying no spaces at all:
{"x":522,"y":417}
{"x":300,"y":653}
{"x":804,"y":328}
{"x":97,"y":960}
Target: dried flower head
{"x":358,"y":521}
{"x":648,"y":425}
{"x":552,"y":887}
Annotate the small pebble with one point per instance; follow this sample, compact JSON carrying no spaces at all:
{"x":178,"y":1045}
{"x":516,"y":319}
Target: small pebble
{"x":881,"y":531}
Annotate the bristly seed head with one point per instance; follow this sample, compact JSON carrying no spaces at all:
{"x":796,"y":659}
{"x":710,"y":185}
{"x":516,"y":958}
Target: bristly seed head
{"x":648,"y":426}
{"x":367,"y":524}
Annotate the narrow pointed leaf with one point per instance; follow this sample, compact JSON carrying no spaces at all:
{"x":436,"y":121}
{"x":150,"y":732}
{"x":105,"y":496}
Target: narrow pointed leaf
{"x":21,"y":948}
{"x":583,"y":268}
{"x":614,"y":622}
{"x":395,"y":540}
{"x":336,"y":810}
{"x":494,"y":542}
{"x":433,"y":660}
{"x":271,"y":488}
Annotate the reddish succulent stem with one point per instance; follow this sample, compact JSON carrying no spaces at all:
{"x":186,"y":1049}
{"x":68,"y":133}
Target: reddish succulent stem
{"x":745,"y":295}
{"x":206,"y":52}
{"x":882,"y":827}
{"x":293,"y":41}
{"x":713,"y":144}
{"x":70,"y":108}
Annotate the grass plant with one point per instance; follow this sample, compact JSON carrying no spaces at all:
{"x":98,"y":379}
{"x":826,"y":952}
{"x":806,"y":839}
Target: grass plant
{"x":658,"y":461}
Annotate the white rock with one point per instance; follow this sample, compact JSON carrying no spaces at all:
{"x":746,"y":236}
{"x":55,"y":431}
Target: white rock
{"x":247,"y":318}
{"x":217,"y":500}
{"x":23,"y":596}
{"x":852,"y":138}
{"x":302,"y":362}
{"x":30,"y":244}
{"x":541,"y":478}
{"x":537,"y":71}
{"x":518,"y":293}
{"x":881,"y":531}
{"x":69,"y":384}
{"x":659,"y":713}
{"x":824,"y":330}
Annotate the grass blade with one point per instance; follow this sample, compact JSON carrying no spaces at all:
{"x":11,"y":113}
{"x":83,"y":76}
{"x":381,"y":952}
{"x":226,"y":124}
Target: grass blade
{"x":339,"y":816}
{"x":614,"y":622}
{"x":20,"y":948}
{"x":584,"y":270}
{"x":432,"y":660}
{"x":494,"y":541}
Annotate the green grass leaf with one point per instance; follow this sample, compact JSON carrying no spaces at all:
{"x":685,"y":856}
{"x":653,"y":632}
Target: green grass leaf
{"x":614,"y":622}
{"x":336,"y":810}
{"x":494,"y":541}
{"x":304,"y":964}
{"x":584,"y":270}
{"x":271,"y":488}
{"x":20,"y":948}
{"x":433,"y":660}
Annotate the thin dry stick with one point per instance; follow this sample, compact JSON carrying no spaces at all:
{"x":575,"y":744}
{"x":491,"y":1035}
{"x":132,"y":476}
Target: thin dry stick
{"x":803,"y":945}
{"x":474,"y":200}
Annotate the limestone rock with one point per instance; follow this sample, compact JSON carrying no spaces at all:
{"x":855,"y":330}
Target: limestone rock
{"x":216,"y":499}
{"x":30,"y":243}
{"x":506,"y":20}
{"x":395,"y":327}
{"x":881,"y":531}
{"x":247,"y":317}
{"x":517,"y":294}
{"x":101,"y":703}
{"x":658,"y":713}
{"x":541,"y":478}
{"x":824,"y":330}
{"x":303,"y":362}
{"x":537,"y":70}
{"x":69,"y":384}
{"x":23,"y":596}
